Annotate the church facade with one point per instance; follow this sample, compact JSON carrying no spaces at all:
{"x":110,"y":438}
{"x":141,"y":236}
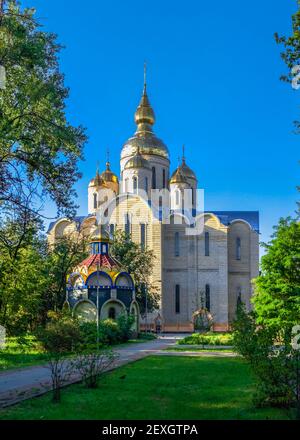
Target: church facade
{"x":203,"y":260}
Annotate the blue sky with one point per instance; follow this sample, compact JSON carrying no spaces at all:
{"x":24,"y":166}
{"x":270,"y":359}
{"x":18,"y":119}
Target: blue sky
{"x":213,"y":80}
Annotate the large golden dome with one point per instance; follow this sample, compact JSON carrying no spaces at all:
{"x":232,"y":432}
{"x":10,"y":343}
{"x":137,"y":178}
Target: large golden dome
{"x":144,"y":139}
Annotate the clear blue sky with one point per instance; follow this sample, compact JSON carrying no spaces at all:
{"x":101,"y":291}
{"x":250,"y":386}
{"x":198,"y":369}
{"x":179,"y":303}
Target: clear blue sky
{"x":213,"y":80}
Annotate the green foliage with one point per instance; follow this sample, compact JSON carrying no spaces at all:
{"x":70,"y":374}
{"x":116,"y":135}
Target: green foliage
{"x":61,"y":335}
{"x":21,"y":351}
{"x":208,"y":338}
{"x":125,"y":327}
{"x":139,"y":263}
{"x":277,"y":289}
{"x":291,"y":54}
{"x":110,"y":331}
{"x":37,"y":143}
{"x":273,"y":361}
{"x":147,"y":336}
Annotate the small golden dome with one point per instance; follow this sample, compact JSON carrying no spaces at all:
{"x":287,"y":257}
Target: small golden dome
{"x":178,"y":176}
{"x":137,"y":161}
{"x":108,"y":175}
{"x":144,"y":113}
{"x":97,"y":181}
{"x":187,"y":171}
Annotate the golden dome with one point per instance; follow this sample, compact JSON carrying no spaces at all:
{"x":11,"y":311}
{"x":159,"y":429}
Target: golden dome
{"x":108,"y":175}
{"x":187,"y":171}
{"x":137,"y":161}
{"x":178,"y":176}
{"x":144,"y":138}
{"x":97,"y":181}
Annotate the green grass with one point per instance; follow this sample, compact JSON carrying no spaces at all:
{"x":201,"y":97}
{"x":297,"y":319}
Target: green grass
{"x":208,"y":338}
{"x":21,"y":352}
{"x":157,"y":388}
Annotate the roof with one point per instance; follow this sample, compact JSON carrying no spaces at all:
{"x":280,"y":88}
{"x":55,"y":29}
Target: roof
{"x":78,"y":220}
{"x":103,"y":261}
{"x":226,"y":217}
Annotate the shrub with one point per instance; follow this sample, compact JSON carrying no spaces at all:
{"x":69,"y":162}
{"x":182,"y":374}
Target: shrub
{"x":60,"y":337}
{"x":91,"y":364}
{"x":125,"y":327}
{"x":272,"y":359}
{"x":208,"y":338}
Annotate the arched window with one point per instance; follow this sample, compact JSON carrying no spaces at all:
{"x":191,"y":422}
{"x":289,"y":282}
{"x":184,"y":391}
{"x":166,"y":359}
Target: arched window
{"x":206,"y":244}
{"x":164,"y":178}
{"x":207,"y":297}
{"x":153,"y":178}
{"x":177,"y":250}
{"x":126,"y":184}
{"x":177,"y":299}
{"x":146,"y":184}
{"x":177,"y":197}
{"x":112,"y":313}
{"x":95,"y":201}
{"x":134,"y":184}
{"x":238,"y":248}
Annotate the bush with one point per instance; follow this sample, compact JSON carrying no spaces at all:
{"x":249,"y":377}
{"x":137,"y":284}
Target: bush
{"x":147,"y":336}
{"x":110,"y":332}
{"x":60,"y":337}
{"x":91,"y":364}
{"x":125,"y":327}
{"x":208,"y":338}
{"x":272,"y":359}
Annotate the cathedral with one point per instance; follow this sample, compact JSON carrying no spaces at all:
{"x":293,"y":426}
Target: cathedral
{"x":204,"y":261}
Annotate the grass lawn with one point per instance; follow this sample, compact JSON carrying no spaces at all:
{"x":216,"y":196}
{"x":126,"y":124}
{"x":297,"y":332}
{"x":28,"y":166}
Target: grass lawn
{"x":21,"y":352}
{"x":157,"y":388}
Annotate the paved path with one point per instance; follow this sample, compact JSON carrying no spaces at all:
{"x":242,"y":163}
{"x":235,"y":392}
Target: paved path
{"x":21,"y":384}
{"x":24,"y":383}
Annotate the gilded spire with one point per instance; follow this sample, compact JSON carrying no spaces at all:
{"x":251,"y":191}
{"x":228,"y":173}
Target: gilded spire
{"x":107,"y":160}
{"x":183,"y":154}
{"x":144,"y":115}
{"x":145,"y":78}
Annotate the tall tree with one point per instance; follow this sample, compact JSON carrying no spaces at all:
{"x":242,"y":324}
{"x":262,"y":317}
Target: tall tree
{"x":37,"y":143}
{"x":277,"y":289}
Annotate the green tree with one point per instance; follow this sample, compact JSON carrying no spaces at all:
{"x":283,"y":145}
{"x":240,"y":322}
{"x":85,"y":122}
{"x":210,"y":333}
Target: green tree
{"x":37,"y":143}
{"x":277,"y":289}
{"x":62,"y":257}
{"x":139,"y":263}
